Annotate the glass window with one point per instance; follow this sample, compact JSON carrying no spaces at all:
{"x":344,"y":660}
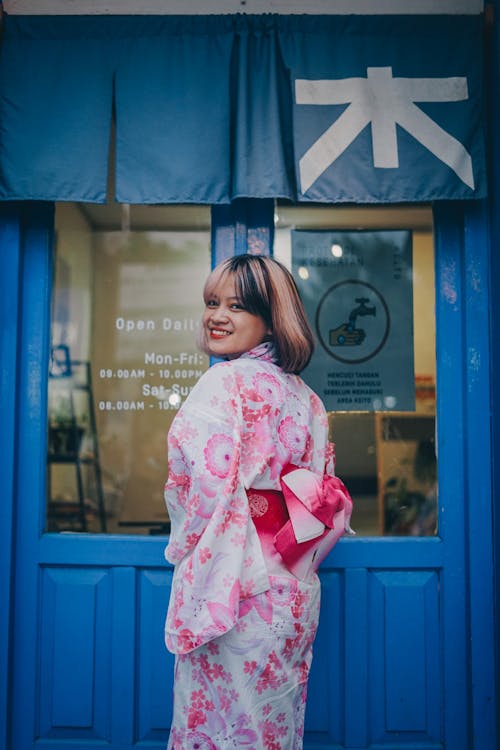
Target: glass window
{"x":126,"y":305}
{"x":386,"y":457}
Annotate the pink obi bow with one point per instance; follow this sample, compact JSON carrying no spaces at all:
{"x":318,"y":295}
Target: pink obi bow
{"x":320,"y":509}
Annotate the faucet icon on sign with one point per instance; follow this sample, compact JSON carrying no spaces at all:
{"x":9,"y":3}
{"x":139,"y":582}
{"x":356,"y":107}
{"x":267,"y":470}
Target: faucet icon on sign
{"x":347,"y":334}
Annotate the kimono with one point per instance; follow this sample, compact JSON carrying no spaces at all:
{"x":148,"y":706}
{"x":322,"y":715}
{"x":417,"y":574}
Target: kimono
{"x":240,"y":623}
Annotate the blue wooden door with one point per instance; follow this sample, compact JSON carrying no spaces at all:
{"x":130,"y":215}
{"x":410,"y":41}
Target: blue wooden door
{"x":401,"y":658}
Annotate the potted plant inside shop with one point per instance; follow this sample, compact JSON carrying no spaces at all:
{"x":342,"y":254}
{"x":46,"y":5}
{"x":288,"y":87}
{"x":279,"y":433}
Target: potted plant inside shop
{"x":66,"y":430}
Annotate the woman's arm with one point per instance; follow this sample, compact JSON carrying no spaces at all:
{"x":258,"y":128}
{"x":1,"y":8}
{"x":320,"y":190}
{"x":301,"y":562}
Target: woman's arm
{"x":213,"y":543}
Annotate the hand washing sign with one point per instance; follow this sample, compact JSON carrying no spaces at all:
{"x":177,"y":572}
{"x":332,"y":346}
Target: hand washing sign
{"x":357,"y":288}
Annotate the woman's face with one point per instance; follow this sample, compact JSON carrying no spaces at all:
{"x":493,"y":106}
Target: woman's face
{"x":230,"y":329}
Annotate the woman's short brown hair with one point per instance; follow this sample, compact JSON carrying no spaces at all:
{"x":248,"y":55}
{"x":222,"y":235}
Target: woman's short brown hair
{"x":266,"y":288}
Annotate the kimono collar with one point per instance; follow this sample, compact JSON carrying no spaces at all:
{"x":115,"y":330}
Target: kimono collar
{"x":265,"y":351}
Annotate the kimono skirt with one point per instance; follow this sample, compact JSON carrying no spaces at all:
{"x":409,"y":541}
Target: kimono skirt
{"x":247,"y":688}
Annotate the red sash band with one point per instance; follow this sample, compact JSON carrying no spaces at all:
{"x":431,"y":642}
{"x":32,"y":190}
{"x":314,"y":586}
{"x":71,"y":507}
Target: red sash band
{"x":306,"y":519}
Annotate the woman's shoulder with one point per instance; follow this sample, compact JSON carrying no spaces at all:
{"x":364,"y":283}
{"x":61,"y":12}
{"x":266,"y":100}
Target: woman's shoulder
{"x":214,"y":396}
{"x":230,"y":375}
{"x":219,"y":383}
{"x":237,"y":368}
{"x":234,"y":378}
{"x":214,"y":377}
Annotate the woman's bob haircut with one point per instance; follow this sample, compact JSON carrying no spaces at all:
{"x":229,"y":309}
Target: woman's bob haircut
{"x":267,"y":289}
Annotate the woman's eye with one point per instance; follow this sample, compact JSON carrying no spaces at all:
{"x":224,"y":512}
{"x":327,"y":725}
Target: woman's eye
{"x":211,"y":303}
{"x":237,"y":306}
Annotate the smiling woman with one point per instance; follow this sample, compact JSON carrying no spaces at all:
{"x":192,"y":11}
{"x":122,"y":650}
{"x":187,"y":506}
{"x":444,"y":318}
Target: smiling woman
{"x":263,"y":289}
{"x":240,"y":610}
{"x":229,"y":328}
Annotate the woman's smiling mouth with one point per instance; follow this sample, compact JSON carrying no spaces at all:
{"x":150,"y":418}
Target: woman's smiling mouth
{"x":218,"y":333}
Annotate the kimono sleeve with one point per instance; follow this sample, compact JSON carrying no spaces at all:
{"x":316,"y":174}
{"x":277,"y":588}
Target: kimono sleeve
{"x":213,"y":545}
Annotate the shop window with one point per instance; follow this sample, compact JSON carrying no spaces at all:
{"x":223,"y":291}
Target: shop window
{"x":127,"y":298}
{"x":383,"y":426}
{"x":126,"y":305}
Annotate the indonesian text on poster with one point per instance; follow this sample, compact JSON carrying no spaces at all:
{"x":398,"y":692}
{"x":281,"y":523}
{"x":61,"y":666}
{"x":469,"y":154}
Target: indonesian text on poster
{"x":357,"y":288}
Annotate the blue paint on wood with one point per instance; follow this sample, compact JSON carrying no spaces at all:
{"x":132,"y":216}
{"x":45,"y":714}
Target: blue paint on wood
{"x":30,"y":450}
{"x":493,"y":266}
{"x":73,"y":668}
{"x":62,"y":549}
{"x":74,"y":654}
{"x":404,"y":656}
{"x":123,"y":656}
{"x":405,"y":635}
{"x":479,"y":482}
{"x":358,"y":686}
{"x":323,"y":718}
{"x":155,"y":664}
{"x":9,"y":307}
{"x":452,"y":470}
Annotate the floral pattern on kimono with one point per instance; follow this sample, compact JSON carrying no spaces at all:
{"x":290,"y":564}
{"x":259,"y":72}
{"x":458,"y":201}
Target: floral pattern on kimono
{"x":247,"y":689}
{"x":242,"y":423}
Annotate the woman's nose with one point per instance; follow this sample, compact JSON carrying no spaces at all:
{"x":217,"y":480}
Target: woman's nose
{"x":220,"y":313}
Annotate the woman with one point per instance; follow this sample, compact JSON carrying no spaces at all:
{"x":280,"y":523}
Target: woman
{"x":239,"y":621}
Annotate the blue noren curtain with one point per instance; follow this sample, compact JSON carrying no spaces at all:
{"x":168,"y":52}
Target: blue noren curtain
{"x":213,"y":108}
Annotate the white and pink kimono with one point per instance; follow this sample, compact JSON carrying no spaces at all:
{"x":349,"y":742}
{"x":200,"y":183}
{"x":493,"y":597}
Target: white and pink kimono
{"x":240,"y":623}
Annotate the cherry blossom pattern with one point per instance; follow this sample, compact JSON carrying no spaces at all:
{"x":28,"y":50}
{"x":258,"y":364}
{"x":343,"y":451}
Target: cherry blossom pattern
{"x":247,"y":689}
{"x":218,"y":454}
{"x":293,"y":435}
{"x":269,"y":388}
{"x":242,"y":633}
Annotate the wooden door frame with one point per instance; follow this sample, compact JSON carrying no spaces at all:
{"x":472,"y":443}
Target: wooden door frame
{"x":462,"y":275}
{"x":10,"y":242}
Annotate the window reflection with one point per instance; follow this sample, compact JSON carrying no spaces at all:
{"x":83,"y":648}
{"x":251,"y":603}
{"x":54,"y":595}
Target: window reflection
{"x":388,"y":461}
{"x":386,"y":458}
{"x":126,"y":305}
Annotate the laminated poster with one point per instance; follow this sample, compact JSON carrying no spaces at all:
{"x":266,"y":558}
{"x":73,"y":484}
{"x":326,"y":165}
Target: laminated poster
{"x":357,"y":288}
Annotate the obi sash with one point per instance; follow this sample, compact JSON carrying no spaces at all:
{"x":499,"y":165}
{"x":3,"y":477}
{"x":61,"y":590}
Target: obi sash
{"x":306,"y":519}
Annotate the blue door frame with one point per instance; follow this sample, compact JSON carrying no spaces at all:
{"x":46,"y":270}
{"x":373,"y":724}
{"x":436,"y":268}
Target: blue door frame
{"x":464,"y":410}
{"x":24,"y":229}
{"x":494,"y":245}
{"x":9,"y":315}
{"x":434,"y":594}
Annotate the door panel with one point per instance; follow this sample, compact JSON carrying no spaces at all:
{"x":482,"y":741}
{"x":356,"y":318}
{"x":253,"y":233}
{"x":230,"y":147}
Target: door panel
{"x":376,"y":658}
{"x":105,"y":673}
{"x":154,"y":663}
{"x":404,"y":645}
{"x":75,"y":644}
{"x":376,"y":676}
